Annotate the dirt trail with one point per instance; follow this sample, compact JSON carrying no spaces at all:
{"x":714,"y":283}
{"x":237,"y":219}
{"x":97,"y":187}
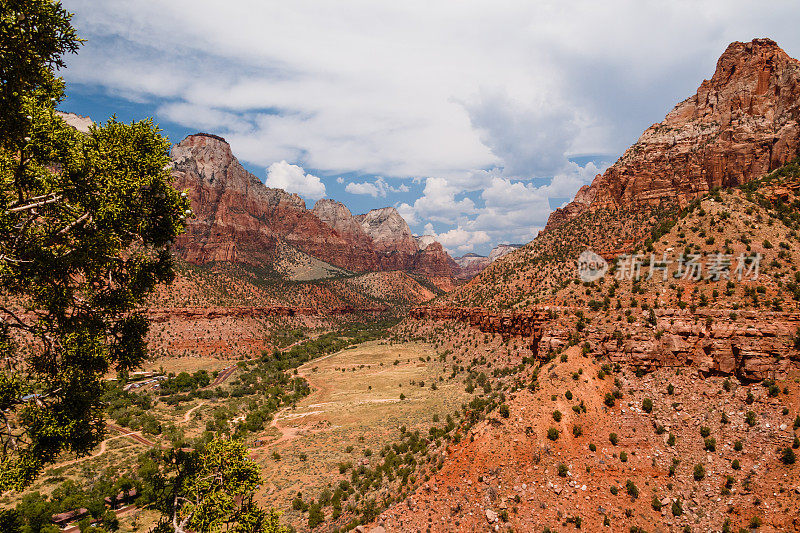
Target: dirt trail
{"x":192,"y":410}
{"x":318,"y":389}
{"x":100,"y":451}
{"x":135,"y":436}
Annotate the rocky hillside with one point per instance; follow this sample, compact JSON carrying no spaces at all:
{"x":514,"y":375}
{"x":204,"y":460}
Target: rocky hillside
{"x":238,"y":219}
{"x":662,"y":392}
{"x":741,"y":124}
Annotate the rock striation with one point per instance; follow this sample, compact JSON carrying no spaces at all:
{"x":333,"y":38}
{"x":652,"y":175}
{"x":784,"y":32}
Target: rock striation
{"x":755,"y":346}
{"x":237,"y":219}
{"x":741,"y":124}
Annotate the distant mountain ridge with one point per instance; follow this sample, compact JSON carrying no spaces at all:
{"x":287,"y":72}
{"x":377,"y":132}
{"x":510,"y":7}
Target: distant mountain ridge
{"x":238,"y":219}
{"x":471,"y":264}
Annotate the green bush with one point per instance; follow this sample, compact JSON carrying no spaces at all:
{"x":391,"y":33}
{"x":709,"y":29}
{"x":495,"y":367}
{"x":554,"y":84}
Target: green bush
{"x":788,"y":456}
{"x":656,"y":503}
{"x":552,"y":433}
{"x":677,"y":508}
{"x":699,"y":472}
{"x":647,"y":405}
{"x":609,"y":399}
{"x":631,"y":489}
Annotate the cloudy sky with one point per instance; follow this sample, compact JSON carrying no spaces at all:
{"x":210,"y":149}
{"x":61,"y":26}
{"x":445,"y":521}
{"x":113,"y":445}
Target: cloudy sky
{"x":474,"y":118}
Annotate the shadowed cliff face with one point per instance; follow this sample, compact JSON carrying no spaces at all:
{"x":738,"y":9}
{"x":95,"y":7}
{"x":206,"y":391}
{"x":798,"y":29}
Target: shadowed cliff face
{"x":238,"y":219}
{"x":741,"y":124}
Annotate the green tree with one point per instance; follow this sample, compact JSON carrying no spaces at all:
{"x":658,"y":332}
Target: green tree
{"x":32,"y":515}
{"x":86,"y":226}
{"x":212,"y":491}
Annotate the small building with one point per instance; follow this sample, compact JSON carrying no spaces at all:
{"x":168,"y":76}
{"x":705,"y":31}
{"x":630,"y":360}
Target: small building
{"x":121,"y":499}
{"x":65,"y":518}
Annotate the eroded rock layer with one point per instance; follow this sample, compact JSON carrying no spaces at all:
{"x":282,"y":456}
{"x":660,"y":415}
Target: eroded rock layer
{"x":754,"y":346}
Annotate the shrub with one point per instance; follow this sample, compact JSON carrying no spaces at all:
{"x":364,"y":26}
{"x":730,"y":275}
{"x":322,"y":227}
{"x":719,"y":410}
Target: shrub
{"x":735,"y":464}
{"x":612,"y":437}
{"x":614,"y":490}
{"x":755,"y":522}
{"x":557,"y":415}
{"x":677,"y":507}
{"x":737,"y":446}
{"x":670,"y":389}
{"x":552,"y":434}
{"x":647,"y":405}
{"x":671,"y":440}
{"x":788,"y":456}
{"x":705,"y":431}
{"x":315,"y":516}
{"x":656,"y":503}
{"x":504,"y":411}
{"x":609,"y":399}
{"x":710,"y":444}
{"x":750,"y":418}
{"x":562,"y":470}
{"x":631,"y":489}
{"x":592,"y":448}
{"x":577,"y":430}
{"x":623,"y":456}
{"x":699,"y":472}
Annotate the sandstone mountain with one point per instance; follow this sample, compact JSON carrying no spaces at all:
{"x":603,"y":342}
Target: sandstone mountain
{"x":238,"y":219}
{"x":665,"y":401}
{"x":741,"y":124}
{"x":471,"y":264}
{"x":388,"y":230}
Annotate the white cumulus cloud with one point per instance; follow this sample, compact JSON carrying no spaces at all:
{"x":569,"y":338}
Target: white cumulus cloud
{"x":377,"y":189}
{"x":293,"y":178}
{"x":458,"y":240}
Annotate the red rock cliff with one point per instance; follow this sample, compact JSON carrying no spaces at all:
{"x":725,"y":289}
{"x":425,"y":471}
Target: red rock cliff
{"x":238,"y":219}
{"x":743,"y":123}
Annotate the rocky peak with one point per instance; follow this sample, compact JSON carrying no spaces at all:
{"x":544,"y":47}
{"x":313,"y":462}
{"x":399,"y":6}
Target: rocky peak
{"x":388,"y":230}
{"x":338,"y":216}
{"x":501,"y":250}
{"x":471,"y":264}
{"x":209,"y":159}
{"x":741,"y":124}
{"x":423,"y":241}
{"x":79,"y":122}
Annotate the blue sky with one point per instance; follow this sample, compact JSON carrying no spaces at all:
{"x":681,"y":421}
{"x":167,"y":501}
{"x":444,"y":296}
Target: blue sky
{"x":475,"y":119}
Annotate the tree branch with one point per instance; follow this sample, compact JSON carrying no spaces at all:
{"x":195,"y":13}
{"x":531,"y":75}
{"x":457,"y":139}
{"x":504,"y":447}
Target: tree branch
{"x":34,"y":205}
{"x":82,"y":218}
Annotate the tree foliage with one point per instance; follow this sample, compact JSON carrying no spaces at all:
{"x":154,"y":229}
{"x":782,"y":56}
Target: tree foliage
{"x":86,"y":226}
{"x":212,"y":490}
